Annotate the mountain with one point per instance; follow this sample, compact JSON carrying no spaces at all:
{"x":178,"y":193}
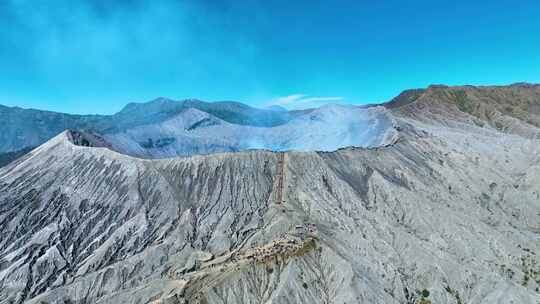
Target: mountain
{"x":513,"y":108}
{"x":448,"y":211}
{"x":6,"y":158}
{"x":135,"y":114}
{"x":195,"y":132}
{"x":276,"y":108}
{"x":164,"y":128}
{"x":23,"y":128}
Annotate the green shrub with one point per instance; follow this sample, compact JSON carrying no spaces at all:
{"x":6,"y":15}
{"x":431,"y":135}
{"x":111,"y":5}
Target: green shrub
{"x":463,"y":102}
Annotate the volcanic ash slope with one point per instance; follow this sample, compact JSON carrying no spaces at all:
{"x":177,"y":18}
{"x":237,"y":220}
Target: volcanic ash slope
{"x":448,"y":213}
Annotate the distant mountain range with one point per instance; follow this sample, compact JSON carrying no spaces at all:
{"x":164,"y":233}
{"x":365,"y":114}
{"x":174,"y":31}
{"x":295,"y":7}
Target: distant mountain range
{"x":165,"y":128}
{"x":24,"y":128}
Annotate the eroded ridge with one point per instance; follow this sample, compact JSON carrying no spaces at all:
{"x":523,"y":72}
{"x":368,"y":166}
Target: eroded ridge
{"x":207,"y":271}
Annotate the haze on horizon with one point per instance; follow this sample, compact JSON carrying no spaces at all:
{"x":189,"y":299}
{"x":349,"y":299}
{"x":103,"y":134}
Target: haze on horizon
{"x":96,"y":56}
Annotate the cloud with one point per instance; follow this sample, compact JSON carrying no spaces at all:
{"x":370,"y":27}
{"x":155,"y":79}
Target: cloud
{"x":286,"y":100}
{"x":303,"y":101}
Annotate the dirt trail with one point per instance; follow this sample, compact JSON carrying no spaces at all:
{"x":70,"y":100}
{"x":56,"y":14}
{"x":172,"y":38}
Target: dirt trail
{"x":280,"y":177}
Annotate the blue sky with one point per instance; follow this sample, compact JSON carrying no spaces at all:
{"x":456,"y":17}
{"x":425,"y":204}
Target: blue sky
{"x":96,"y":56}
